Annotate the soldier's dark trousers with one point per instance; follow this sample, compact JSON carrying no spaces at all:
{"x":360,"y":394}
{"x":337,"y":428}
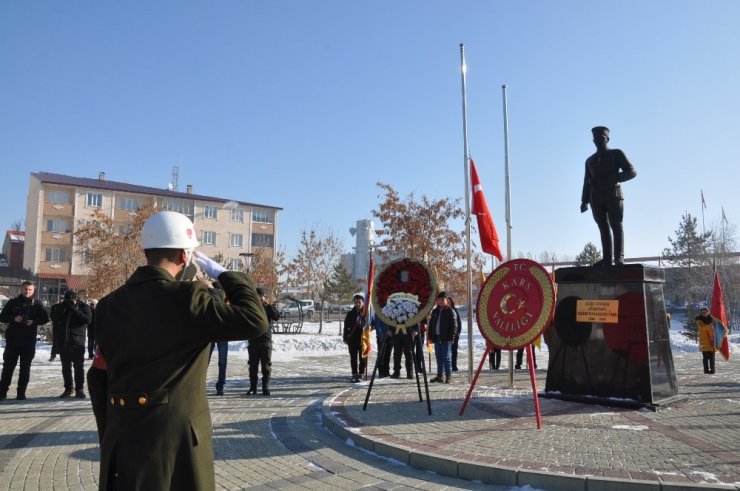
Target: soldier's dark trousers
{"x":13,"y":353}
{"x":260,"y":356}
{"x":76,"y":357}
{"x":494,"y":359}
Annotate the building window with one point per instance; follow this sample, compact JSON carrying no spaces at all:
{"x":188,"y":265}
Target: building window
{"x":59,"y":197}
{"x":183,"y":207}
{"x":236,"y":240}
{"x":129,"y":204}
{"x":94,"y":200}
{"x":263,"y":216}
{"x":208,"y":237}
{"x":237,"y":215}
{"x":56,"y":254}
{"x":210,"y":211}
{"x":57,"y":225}
{"x":263,"y":240}
{"x":234,"y":264}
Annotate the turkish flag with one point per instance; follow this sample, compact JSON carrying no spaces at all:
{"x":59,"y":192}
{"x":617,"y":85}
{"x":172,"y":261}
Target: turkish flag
{"x":720,"y":313}
{"x":486,"y":228}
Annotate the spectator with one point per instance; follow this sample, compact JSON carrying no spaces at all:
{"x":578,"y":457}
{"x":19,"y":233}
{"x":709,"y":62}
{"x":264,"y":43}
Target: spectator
{"x":442,"y":327}
{"x":260,"y":351}
{"x":23,"y":314}
{"x":705,"y":328}
{"x":70,"y":319}
{"x":354,"y":323}
{"x":458,"y":330}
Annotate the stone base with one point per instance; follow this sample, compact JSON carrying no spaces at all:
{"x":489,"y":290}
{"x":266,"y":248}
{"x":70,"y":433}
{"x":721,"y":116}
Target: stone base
{"x":609,"y":339}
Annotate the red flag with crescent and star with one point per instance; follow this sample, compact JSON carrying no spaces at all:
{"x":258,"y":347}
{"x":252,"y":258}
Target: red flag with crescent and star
{"x":486,"y":228}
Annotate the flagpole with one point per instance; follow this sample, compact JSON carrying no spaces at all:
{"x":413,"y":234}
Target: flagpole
{"x":508,"y":206}
{"x":703,"y":205}
{"x":466,"y":166}
{"x":504,"y":89}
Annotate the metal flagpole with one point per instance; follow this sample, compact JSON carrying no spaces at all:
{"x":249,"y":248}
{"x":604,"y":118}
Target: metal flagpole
{"x":466,"y":166}
{"x":508,"y":207}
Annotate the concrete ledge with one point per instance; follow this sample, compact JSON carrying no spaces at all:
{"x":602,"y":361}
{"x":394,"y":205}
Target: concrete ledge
{"x":613,"y":484}
{"x":681,"y":486}
{"x":474,"y":471}
{"x":400,"y":454}
{"x":427,"y":461}
{"x":550,"y":481}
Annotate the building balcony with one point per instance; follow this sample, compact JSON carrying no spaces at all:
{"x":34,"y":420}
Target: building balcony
{"x":60,"y":267}
{"x":56,"y":238}
{"x":58,"y":209}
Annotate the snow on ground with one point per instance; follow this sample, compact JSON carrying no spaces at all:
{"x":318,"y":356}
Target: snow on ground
{"x":309,"y":342}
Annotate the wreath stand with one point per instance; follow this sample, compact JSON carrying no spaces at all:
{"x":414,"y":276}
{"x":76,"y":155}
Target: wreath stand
{"x":530,"y":365}
{"x":381,"y":353}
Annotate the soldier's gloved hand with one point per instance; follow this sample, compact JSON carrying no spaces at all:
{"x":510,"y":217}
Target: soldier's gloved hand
{"x":208,"y":265}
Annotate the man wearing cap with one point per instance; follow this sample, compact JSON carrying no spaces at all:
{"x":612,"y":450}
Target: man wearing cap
{"x":23,"y":314}
{"x":354,"y":323}
{"x":148,"y":380}
{"x":70,"y":318}
{"x":605,"y":170}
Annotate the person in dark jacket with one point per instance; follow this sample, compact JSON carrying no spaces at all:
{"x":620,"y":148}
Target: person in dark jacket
{"x":69,"y":320}
{"x":23,"y":314}
{"x":260,"y":351}
{"x":354,"y":323}
{"x":148,"y":379}
{"x":458,"y":330}
{"x":442,"y":328}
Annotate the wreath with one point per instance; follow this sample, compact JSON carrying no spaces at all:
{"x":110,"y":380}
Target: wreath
{"x":404,"y":292}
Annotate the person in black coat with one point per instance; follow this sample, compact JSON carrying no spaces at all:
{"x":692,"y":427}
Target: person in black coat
{"x":442,"y":329}
{"x":458,"y":330}
{"x":70,"y":319}
{"x":260,"y":350}
{"x":354,"y":323}
{"x":23,"y":314}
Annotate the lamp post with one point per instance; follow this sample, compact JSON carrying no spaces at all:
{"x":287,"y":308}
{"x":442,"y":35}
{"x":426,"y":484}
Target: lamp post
{"x":247,"y":260}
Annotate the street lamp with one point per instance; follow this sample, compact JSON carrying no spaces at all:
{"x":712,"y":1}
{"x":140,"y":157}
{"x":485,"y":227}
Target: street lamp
{"x":247,"y":260}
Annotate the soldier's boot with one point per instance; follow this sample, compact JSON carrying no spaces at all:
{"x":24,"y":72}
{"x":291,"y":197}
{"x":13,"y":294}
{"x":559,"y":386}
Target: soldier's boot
{"x":447,"y":378}
{"x":67,"y":393}
{"x":252,"y":387}
{"x":3,"y":394}
{"x":265,"y":387}
{"x":21,"y":396}
{"x":409,"y":371}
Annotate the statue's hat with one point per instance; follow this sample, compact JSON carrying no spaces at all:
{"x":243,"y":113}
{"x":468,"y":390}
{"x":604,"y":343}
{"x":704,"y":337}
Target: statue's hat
{"x":600,"y":131}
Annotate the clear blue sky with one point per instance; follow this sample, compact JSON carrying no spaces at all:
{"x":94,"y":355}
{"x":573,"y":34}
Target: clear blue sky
{"x":306,"y":104}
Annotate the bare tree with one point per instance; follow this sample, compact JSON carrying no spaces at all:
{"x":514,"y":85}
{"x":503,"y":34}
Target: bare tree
{"x":111,"y":251}
{"x":421,"y":230}
{"x":313,"y":264}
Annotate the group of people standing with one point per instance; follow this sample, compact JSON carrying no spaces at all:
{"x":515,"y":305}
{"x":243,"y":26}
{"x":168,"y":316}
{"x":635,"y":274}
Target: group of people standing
{"x":72,"y":335}
{"x":443,"y":326}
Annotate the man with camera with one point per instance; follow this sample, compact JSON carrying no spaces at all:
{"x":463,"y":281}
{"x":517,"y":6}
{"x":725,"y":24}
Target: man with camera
{"x":23,"y":314}
{"x":70,"y":318}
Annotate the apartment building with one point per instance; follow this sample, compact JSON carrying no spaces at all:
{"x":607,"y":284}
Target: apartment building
{"x":58,"y":203}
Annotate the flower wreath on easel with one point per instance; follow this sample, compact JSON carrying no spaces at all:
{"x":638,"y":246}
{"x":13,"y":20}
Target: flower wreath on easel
{"x":404,"y":293}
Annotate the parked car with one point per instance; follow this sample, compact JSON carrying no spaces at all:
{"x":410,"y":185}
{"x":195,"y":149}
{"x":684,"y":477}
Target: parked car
{"x":295,"y":308}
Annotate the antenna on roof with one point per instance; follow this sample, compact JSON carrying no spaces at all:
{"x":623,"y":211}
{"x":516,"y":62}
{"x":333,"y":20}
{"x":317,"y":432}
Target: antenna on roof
{"x":175,"y":178}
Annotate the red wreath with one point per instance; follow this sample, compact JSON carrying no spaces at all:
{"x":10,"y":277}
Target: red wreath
{"x":420,"y":282}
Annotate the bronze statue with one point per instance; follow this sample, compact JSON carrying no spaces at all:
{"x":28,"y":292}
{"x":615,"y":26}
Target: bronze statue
{"x":605,"y":169}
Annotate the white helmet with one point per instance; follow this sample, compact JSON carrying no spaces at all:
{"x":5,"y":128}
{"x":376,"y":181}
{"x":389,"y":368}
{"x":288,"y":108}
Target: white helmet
{"x":168,"y":230}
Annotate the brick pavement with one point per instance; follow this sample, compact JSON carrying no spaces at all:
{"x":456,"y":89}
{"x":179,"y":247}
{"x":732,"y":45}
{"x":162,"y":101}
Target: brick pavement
{"x":283,"y":442}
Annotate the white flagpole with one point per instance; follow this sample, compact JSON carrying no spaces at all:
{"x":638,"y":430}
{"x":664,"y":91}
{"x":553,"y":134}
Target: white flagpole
{"x":466,"y":166}
{"x":508,"y":207}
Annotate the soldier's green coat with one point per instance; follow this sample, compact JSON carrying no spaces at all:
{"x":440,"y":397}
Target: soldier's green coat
{"x":154,"y":333}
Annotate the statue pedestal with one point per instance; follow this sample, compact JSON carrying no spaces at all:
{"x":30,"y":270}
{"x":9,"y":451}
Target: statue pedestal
{"x":609,"y":340}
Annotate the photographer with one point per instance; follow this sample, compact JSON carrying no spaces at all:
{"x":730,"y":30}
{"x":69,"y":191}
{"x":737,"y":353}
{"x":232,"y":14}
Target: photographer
{"x":23,"y":314}
{"x":70,"y":318}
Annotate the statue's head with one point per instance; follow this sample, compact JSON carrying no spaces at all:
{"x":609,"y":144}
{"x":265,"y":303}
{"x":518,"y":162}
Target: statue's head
{"x":601,"y":136}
